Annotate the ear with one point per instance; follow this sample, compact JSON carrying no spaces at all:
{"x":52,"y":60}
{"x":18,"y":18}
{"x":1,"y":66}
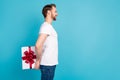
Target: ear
{"x":49,"y":12}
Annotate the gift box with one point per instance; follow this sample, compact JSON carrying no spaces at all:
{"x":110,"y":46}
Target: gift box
{"x":28,"y":57}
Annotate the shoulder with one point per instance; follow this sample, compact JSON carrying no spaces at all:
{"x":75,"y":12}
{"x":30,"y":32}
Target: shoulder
{"x":45,"y":25}
{"x":45,"y":28}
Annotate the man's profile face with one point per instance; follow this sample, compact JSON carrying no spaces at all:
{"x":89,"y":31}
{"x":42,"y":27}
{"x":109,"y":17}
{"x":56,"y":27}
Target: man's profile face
{"x":54,"y":13}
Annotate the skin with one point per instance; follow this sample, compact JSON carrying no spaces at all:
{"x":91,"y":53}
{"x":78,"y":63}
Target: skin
{"x":51,"y":15}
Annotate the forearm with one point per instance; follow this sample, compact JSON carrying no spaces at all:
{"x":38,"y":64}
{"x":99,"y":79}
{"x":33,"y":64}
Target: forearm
{"x":39,"y":46}
{"x":38,"y":53}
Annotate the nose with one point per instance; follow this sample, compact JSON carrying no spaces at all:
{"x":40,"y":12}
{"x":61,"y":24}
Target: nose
{"x":56,"y":14}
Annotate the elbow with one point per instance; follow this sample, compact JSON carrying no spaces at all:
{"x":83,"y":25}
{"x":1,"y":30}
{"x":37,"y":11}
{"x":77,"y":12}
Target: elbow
{"x":37,"y":47}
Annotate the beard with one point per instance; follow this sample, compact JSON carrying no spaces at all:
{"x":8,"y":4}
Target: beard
{"x":54,"y":18}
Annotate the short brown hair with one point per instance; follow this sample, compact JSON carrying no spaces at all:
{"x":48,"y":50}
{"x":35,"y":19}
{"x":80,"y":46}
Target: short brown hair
{"x":46,"y":8}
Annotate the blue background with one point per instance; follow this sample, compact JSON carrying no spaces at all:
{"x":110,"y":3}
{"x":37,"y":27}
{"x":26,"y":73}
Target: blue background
{"x":89,"y":38}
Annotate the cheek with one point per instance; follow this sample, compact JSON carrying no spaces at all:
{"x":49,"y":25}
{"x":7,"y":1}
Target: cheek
{"x":54,"y":14}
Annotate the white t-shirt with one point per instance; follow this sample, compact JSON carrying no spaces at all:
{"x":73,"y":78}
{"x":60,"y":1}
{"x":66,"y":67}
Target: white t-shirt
{"x":50,"y":47}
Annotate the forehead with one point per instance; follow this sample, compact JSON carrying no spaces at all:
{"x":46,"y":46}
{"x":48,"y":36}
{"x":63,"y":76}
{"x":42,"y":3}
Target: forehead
{"x":54,"y":8}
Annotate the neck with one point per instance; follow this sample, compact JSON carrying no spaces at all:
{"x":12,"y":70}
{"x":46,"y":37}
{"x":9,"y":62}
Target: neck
{"x":49,"y":20}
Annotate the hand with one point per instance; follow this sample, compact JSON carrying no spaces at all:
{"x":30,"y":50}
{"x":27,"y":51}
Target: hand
{"x":37,"y":65}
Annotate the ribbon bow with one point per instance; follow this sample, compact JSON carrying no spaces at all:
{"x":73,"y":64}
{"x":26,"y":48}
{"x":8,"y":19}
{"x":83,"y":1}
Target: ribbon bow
{"x":29,"y":56}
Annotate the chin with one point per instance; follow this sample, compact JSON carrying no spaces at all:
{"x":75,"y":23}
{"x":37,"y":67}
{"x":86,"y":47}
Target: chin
{"x":54,"y":19}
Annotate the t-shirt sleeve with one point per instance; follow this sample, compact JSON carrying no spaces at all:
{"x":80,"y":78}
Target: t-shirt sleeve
{"x":45,"y":29}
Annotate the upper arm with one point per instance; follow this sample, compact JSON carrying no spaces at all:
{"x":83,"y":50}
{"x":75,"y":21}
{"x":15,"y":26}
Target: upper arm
{"x":44,"y":32}
{"x":41,"y":39}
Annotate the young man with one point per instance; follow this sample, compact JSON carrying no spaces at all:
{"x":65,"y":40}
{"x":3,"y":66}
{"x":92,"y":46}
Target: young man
{"x":47,"y":44}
